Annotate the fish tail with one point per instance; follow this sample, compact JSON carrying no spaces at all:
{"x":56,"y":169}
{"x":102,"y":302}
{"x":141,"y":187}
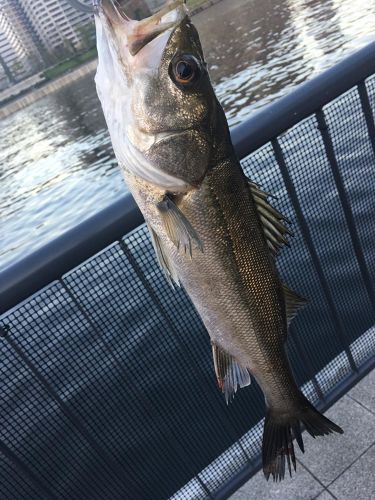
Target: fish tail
{"x":278,"y":434}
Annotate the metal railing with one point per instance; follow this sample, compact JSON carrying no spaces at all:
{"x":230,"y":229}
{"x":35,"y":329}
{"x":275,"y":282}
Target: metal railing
{"x":109,"y":389}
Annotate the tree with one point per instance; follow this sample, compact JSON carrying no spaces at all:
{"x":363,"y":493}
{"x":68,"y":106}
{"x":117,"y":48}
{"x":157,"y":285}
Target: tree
{"x":7,"y":70}
{"x":86,"y":33}
{"x":17,"y":68}
{"x":65,"y":50}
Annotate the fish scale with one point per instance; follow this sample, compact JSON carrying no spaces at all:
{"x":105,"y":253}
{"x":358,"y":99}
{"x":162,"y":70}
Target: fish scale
{"x":249,"y":294}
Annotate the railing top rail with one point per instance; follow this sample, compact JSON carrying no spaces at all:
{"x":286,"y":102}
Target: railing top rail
{"x":53,"y":260}
{"x":303,"y":101}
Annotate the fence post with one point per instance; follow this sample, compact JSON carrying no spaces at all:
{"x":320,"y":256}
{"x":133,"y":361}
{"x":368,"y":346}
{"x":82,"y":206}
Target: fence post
{"x":330,"y":152}
{"x":311,"y":248}
{"x":367,"y":111}
{"x":105,"y":459}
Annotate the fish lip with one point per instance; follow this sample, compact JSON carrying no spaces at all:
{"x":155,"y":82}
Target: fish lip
{"x":111,"y":9}
{"x":153,"y":138}
{"x":161,"y":136}
{"x":139,"y":33}
{"x":174,"y":131}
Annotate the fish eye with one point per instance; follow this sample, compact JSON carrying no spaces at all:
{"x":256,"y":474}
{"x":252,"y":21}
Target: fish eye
{"x":184,"y":70}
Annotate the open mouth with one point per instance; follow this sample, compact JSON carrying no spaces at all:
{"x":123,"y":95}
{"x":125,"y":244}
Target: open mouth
{"x":140,"y":33}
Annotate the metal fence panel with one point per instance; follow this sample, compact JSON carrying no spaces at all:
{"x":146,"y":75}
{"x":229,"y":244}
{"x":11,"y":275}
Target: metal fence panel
{"x":108,"y":388}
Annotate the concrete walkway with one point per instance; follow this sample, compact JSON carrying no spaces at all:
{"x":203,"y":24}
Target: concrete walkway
{"x":341,"y":467}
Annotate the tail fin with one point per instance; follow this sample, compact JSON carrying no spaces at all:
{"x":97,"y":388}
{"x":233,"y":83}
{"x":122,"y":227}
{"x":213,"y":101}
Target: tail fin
{"x":278,"y":436}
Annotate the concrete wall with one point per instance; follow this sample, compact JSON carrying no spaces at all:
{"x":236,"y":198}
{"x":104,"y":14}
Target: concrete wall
{"x":37,"y":94}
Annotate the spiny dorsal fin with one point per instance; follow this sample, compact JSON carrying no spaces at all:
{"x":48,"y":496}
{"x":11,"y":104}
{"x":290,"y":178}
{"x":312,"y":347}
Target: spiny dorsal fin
{"x":273,"y":222}
{"x":229,"y":373}
{"x":163,"y":258}
{"x":177,"y":227}
{"x":293,"y":303}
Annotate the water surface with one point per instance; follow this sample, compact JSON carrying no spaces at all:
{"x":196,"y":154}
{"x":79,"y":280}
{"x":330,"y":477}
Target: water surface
{"x":56,"y":163}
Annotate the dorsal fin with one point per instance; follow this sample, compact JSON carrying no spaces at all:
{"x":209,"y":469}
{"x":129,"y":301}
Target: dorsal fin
{"x":273,"y":221}
{"x":163,"y":258}
{"x":293,"y":303}
{"x":230,"y":374}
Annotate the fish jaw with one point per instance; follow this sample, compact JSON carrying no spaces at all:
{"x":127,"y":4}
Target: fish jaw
{"x":129,"y":54}
{"x":159,"y":131}
{"x":126,"y":46}
{"x":130,"y":37}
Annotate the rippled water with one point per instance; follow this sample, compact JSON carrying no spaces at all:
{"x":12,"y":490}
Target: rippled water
{"x":56,"y":163}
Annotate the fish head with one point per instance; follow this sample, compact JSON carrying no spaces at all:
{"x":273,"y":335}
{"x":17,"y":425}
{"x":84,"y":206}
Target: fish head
{"x":156,"y":94}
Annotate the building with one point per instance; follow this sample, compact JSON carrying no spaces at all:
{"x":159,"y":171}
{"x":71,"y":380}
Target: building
{"x":29,"y":32}
{"x":25,"y":31}
{"x":37,"y":33}
{"x":58,"y":24}
{"x":15,"y":54}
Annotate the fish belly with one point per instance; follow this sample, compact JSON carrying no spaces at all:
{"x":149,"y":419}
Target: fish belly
{"x":233,"y":283}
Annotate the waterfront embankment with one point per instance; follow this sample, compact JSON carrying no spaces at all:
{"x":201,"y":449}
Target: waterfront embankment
{"x":34,"y":94}
{"x":47,"y":88}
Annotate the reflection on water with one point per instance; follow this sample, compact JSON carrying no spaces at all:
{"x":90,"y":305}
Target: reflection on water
{"x":56,"y":163}
{"x":262,"y":48}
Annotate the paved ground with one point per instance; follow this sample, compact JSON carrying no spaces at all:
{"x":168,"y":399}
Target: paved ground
{"x":341,"y":467}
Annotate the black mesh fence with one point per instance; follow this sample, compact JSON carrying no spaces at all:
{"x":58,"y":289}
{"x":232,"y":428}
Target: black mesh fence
{"x":108,"y":389}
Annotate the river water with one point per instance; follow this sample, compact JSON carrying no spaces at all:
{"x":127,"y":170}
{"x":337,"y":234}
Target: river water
{"x":56,"y":163}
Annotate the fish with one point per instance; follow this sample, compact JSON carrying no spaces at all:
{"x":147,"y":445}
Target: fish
{"x":214,"y":230}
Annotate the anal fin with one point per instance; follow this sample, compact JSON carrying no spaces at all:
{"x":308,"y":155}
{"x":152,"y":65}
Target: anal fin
{"x":177,"y":226}
{"x":230,"y":374}
{"x":293,"y":303}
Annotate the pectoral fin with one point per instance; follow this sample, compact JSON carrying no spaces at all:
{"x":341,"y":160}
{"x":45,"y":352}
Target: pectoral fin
{"x":273,"y":222}
{"x":177,"y":227}
{"x":230,"y":374}
{"x":165,"y":262}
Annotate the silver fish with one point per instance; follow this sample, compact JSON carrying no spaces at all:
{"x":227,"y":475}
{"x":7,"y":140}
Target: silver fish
{"x":214,"y":231}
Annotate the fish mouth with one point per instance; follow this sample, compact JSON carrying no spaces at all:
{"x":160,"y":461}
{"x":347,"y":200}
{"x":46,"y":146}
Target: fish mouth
{"x":169,"y":134}
{"x":145,"y":141}
{"x":140,"y":33}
